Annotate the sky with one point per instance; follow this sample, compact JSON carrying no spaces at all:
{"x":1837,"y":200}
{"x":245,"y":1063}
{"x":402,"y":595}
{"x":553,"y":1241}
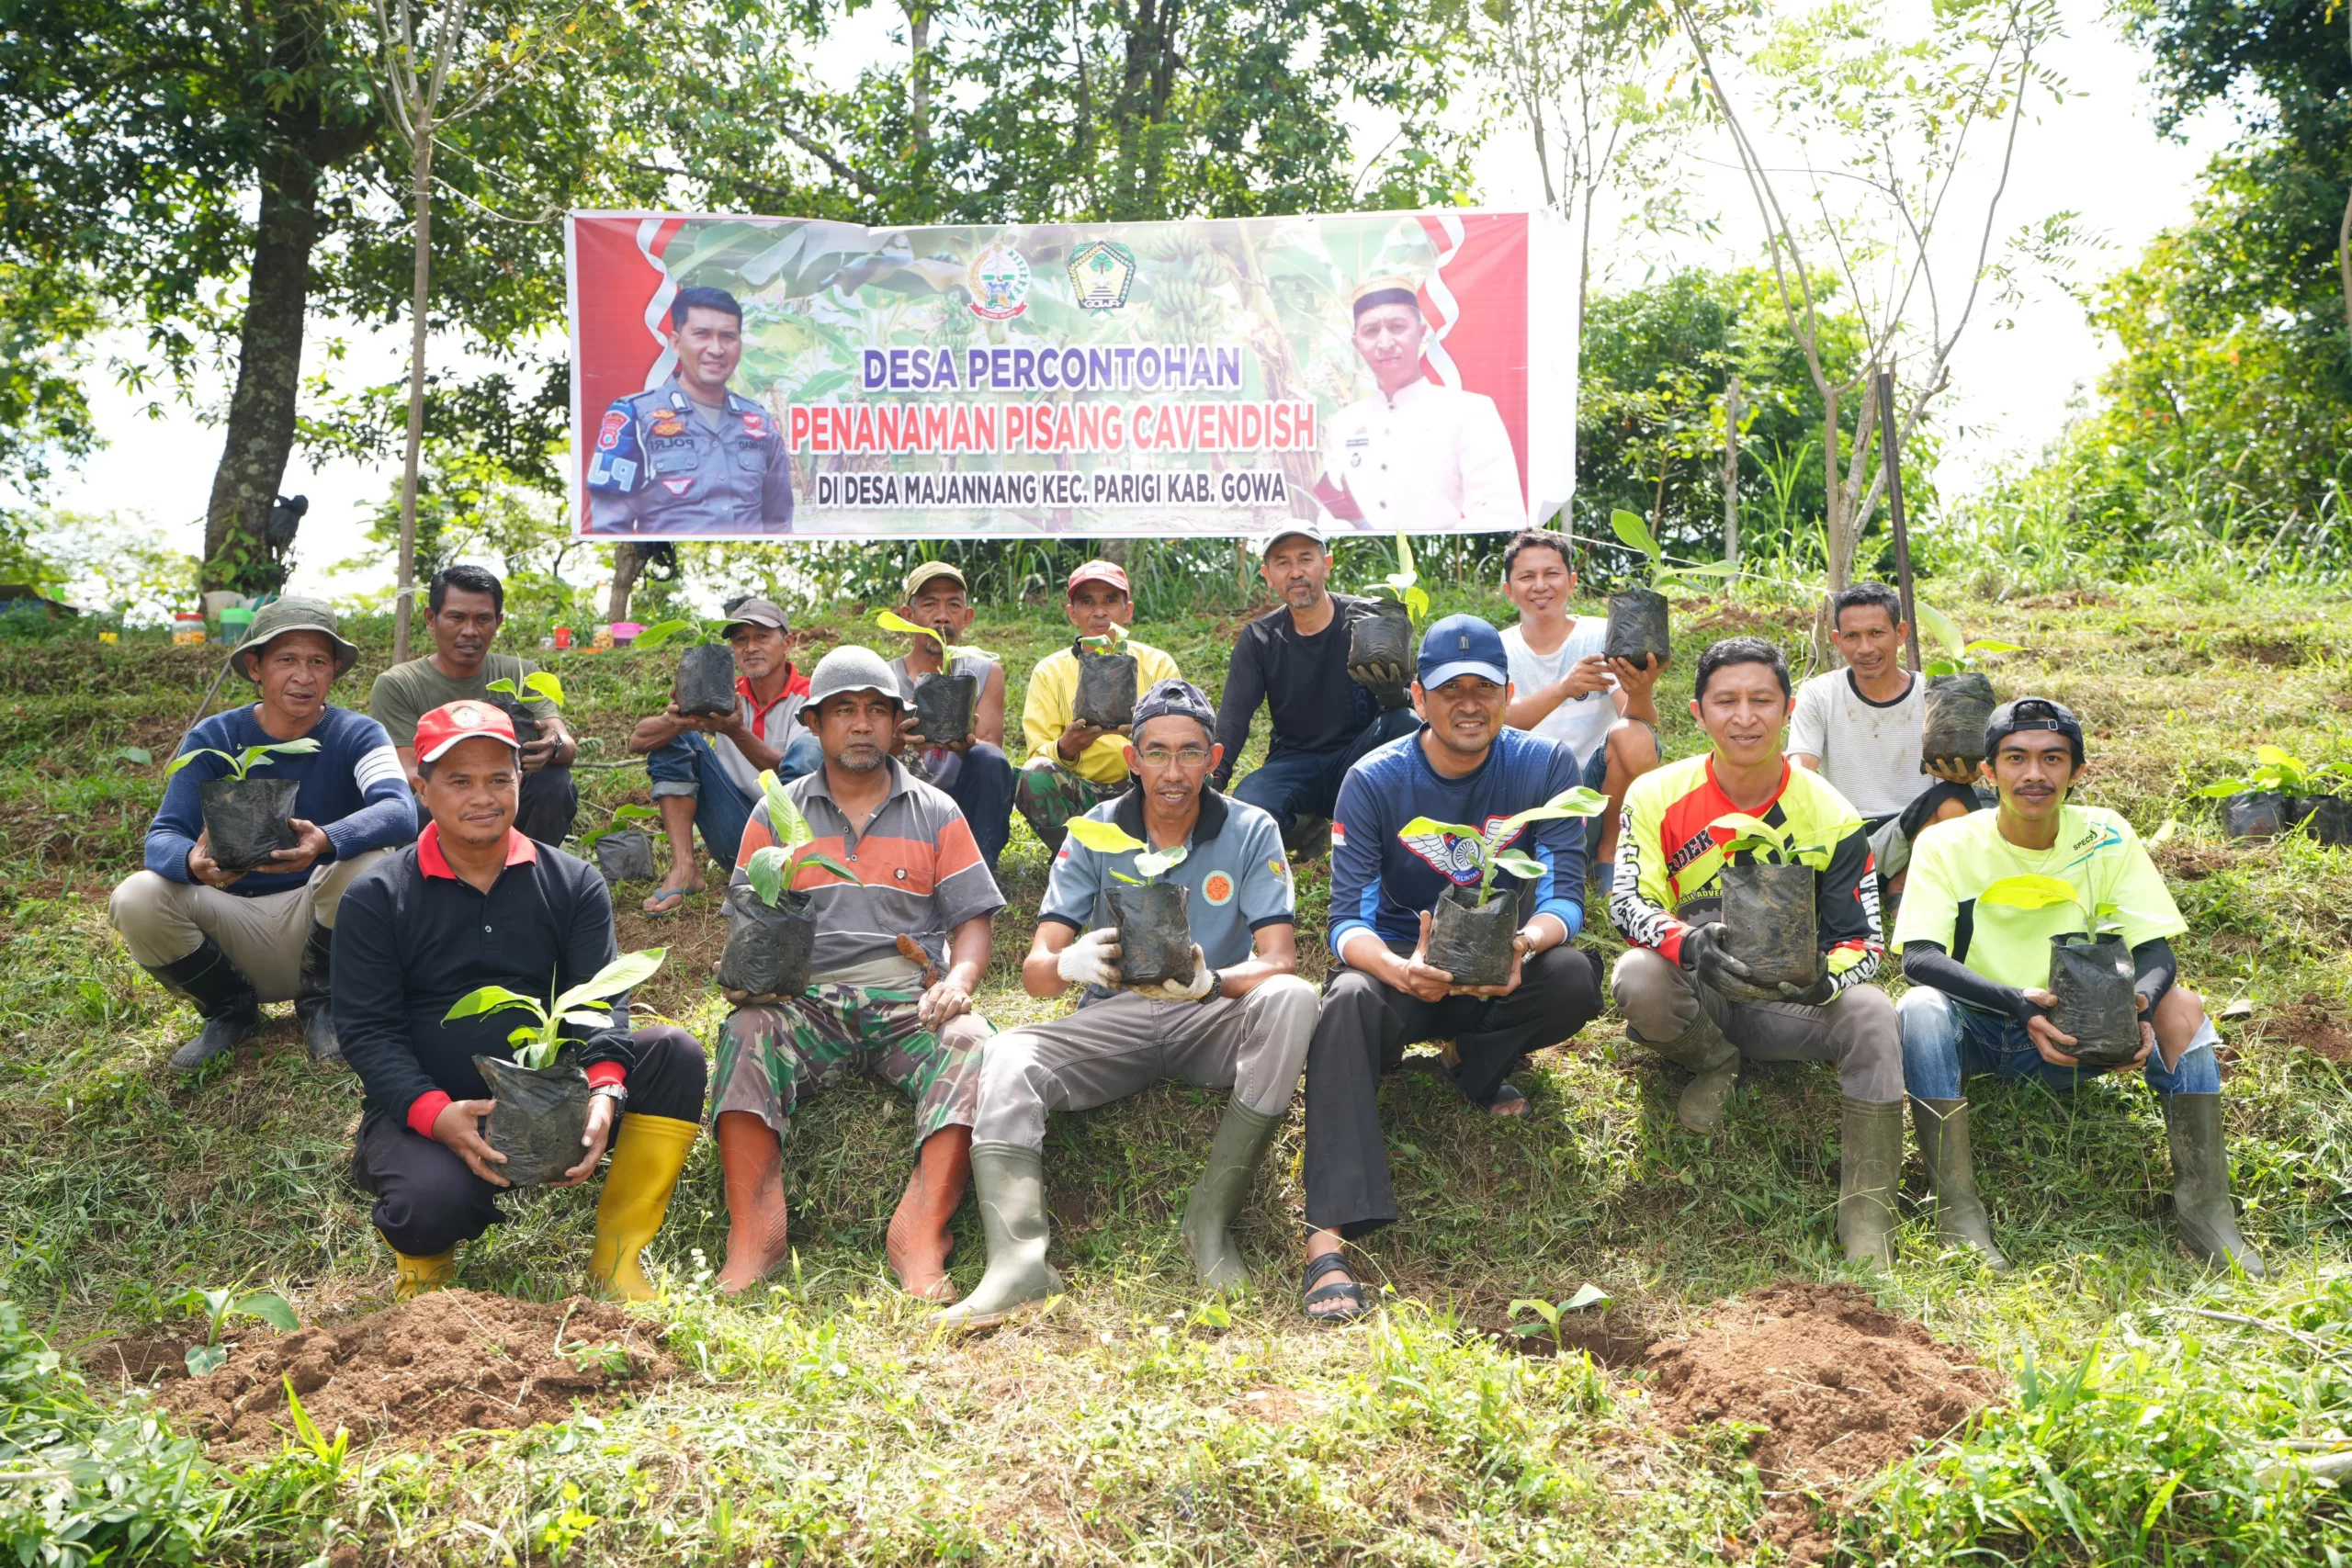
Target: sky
{"x":2096,"y":153}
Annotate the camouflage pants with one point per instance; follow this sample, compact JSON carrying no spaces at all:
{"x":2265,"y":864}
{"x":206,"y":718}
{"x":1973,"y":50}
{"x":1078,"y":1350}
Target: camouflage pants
{"x":771,"y":1056}
{"x":1049,"y":794}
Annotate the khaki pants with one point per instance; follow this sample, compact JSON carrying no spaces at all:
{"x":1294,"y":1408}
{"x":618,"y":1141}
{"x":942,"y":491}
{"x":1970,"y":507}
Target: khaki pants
{"x":1123,"y":1045}
{"x":161,"y":920}
{"x":1855,"y":1030}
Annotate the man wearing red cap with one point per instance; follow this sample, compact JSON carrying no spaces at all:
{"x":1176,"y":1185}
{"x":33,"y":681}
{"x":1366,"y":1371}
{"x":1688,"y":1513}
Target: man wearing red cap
{"x":474,"y":903}
{"x":1074,"y":767}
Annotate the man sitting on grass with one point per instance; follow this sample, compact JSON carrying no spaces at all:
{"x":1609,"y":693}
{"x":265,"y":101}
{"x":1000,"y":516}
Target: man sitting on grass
{"x":1240,"y":1021}
{"x":973,"y":771}
{"x":1463,"y":766}
{"x":1074,"y":767}
{"x":869,"y":1008}
{"x":1861,"y":727}
{"x":1322,"y":713}
{"x":1565,"y":688}
{"x":1684,"y":994}
{"x":705,"y":771}
{"x":229,"y":941}
{"x":1980,"y":1001}
{"x":476,"y":903}
{"x":464,"y":608}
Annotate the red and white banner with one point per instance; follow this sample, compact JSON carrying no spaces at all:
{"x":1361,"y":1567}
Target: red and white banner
{"x":752,"y":378}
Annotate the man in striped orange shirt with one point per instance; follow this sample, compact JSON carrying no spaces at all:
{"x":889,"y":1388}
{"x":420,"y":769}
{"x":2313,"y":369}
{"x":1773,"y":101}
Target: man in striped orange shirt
{"x":869,"y":1008}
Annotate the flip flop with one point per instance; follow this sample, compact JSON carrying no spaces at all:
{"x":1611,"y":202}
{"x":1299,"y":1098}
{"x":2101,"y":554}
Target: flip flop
{"x":1507,"y":1096}
{"x":1346,"y":1289}
{"x":670,"y":897}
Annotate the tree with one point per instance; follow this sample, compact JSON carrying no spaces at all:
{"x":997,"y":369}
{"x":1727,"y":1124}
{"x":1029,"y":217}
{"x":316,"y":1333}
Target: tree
{"x":1882,"y":131}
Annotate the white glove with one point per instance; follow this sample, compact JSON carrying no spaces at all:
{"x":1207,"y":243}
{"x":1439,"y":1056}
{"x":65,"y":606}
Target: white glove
{"x":1190,"y":990}
{"x":1091,"y":960}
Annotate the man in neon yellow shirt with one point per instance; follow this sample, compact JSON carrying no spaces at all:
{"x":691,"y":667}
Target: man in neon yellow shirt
{"x":1074,"y":767}
{"x":1979,"y":973}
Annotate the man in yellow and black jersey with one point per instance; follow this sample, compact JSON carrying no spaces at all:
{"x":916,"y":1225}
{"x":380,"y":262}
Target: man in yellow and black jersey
{"x":1683,"y":993}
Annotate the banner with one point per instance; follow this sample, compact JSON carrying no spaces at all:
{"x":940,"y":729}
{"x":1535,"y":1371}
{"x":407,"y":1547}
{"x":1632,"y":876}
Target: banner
{"x":762,"y":377}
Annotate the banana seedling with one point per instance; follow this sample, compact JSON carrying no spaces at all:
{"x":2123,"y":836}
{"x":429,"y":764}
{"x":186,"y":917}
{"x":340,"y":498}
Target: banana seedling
{"x":1110,"y":838}
{"x":772,"y":867}
{"x":1957,"y":655}
{"x":535,"y":1043}
{"x":1402,"y":586}
{"x":891,"y":621}
{"x":1578,"y":801}
{"x":2045,"y":892}
{"x":245,"y":761}
{"x":539,"y":686}
{"x":1779,"y":846}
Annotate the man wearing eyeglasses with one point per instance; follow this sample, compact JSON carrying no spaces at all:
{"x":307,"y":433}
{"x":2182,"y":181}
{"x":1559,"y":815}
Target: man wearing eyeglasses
{"x":1241,"y":1021}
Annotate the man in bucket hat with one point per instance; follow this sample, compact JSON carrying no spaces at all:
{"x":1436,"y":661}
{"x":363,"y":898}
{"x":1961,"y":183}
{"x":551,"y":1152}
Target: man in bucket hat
{"x":229,"y":939}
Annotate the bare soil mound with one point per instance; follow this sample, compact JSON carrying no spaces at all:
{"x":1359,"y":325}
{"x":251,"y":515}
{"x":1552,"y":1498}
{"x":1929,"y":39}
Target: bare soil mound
{"x":448,"y":1362}
{"x":1840,"y":1387}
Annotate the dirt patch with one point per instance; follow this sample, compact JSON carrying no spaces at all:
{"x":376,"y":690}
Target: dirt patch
{"x":448,"y":1362}
{"x":2189,"y":861}
{"x":1612,"y":1340}
{"x":1838,"y":1388}
{"x":2066,"y":599}
{"x":2310,"y":1026}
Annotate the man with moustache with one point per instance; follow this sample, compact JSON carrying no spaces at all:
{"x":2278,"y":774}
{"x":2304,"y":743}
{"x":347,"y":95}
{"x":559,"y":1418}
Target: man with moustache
{"x":975,"y":772}
{"x":691,"y":458}
{"x":1324,"y":711}
{"x":1683,"y":993}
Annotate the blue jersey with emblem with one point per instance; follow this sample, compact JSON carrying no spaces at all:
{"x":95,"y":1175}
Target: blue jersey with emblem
{"x":1382,"y":884}
{"x":660,"y":467}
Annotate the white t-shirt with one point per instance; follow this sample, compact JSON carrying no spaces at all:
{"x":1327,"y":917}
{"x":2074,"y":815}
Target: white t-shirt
{"x":1581,"y":724}
{"x":1869,"y":751}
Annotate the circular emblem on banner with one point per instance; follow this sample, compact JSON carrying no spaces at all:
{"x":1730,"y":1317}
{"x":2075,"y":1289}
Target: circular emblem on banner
{"x":999,"y":280}
{"x":1218,"y":888}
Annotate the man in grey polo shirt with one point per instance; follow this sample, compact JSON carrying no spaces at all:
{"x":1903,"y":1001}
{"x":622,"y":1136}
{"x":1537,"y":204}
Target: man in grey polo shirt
{"x":1242,"y":1021}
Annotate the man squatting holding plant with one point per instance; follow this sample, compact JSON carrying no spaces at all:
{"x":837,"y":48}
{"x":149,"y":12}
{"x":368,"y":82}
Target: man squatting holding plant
{"x":1683,"y":993}
{"x":869,"y":1008}
{"x":465,"y":606}
{"x":473,"y":902}
{"x":229,"y":941}
{"x":1074,"y":767}
{"x":1387,"y":875}
{"x":706,"y":771}
{"x":1324,"y":713}
{"x":1241,"y":1021}
{"x":975,"y":771}
{"x":1979,"y":971}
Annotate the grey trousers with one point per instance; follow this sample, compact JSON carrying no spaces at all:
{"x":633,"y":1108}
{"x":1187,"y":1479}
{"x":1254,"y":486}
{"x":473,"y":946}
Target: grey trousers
{"x":161,"y":920}
{"x":1254,"y":1044}
{"x":1857,"y":1030}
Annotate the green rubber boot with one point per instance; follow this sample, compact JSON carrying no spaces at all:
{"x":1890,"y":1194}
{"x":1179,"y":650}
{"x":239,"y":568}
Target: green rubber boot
{"x":1241,"y":1142}
{"x":1872,"y":1160}
{"x":2200,"y":1184}
{"x":1943,"y":1129}
{"x":1008,"y":1182}
{"x":1713,"y":1065}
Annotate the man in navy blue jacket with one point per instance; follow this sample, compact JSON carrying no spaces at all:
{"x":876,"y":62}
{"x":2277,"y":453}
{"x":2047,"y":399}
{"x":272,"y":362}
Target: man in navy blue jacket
{"x":227,"y":939}
{"x":1463,"y":766}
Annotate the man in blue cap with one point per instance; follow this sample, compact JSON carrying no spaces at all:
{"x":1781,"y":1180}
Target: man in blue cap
{"x":1389,"y":871}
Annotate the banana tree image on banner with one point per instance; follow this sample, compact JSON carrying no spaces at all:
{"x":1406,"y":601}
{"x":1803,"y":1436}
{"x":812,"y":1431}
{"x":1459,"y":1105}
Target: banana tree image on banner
{"x":758,"y":377}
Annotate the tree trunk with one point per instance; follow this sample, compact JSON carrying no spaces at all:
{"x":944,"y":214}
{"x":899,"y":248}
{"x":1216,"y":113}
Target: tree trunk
{"x":1731,"y":472}
{"x":421,"y":155}
{"x":2344,"y":259}
{"x":919,"y":71}
{"x":628,"y":561}
{"x":269,"y":372}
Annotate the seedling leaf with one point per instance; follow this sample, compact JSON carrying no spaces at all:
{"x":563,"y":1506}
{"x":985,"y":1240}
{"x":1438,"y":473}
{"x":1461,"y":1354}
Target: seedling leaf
{"x":765,"y":873}
{"x":1107,"y":838}
{"x":488,"y":999}
{"x":1587,"y":1295}
{"x":1629,"y":527}
{"x":662,"y":633}
{"x":1520,"y":865}
{"x":891,"y":621}
{"x":627,"y":970}
{"x":788,"y":827}
{"x":1158,"y":863}
{"x":271,"y":1308}
{"x":2030,"y":893}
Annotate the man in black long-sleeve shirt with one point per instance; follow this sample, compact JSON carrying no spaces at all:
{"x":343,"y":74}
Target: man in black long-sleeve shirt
{"x":473,"y":902}
{"x":1324,"y":714}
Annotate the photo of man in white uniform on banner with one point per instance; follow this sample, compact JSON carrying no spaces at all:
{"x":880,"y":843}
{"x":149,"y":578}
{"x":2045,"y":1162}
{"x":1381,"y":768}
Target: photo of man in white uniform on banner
{"x":1415,"y":455}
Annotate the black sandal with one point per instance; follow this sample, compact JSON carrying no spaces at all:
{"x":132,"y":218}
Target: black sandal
{"x":1346,"y":1289}
{"x":1508,"y":1094}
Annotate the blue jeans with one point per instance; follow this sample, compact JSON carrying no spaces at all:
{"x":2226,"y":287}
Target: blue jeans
{"x":1290,"y":784}
{"x":687,"y":765}
{"x":981,"y":786}
{"x":1945,"y":1040}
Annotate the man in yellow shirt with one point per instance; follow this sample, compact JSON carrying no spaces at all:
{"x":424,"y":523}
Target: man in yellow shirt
{"x":1075,"y":767}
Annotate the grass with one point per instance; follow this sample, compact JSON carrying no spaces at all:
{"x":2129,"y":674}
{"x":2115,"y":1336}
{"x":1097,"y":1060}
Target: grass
{"x":1138,"y":1423}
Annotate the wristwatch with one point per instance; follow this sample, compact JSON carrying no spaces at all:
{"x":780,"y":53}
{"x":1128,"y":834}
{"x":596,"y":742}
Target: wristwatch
{"x":616,"y":1093}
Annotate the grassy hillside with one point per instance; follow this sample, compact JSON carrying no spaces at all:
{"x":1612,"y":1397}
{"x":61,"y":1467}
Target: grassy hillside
{"x":1135,"y":1423}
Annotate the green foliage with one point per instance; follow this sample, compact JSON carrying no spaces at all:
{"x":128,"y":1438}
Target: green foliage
{"x":1576,"y":802}
{"x":217,"y":1307}
{"x":1110,"y":838}
{"x":623,"y":815}
{"x":2278,"y":771}
{"x":1957,"y":653}
{"x":891,"y":621}
{"x":80,"y":1484}
{"x":2029,"y":892}
{"x":539,"y":686}
{"x":1779,"y":846}
{"x":772,"y":867}
{"x":535,"y":1045}
{"x":245,"y":761}
{"x":1401,"y":585}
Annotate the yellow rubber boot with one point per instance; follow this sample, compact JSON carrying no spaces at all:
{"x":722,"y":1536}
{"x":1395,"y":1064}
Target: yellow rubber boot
{"x":647,"y":1157}
{"x":412,"y":1276}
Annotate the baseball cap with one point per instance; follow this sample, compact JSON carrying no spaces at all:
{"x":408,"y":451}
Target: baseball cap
{"x":1099,"y":571}
{"x":274,"y":619}
{"x":1293,"y":531}
{"x":2033,"y":713}
{"x":930,"y":569}
{"x":1178,"y":698}
{"x":1462,"y":645}
{"x":851,"y":668}
{"x":756,"y":611}
{"x":462,"y":720}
